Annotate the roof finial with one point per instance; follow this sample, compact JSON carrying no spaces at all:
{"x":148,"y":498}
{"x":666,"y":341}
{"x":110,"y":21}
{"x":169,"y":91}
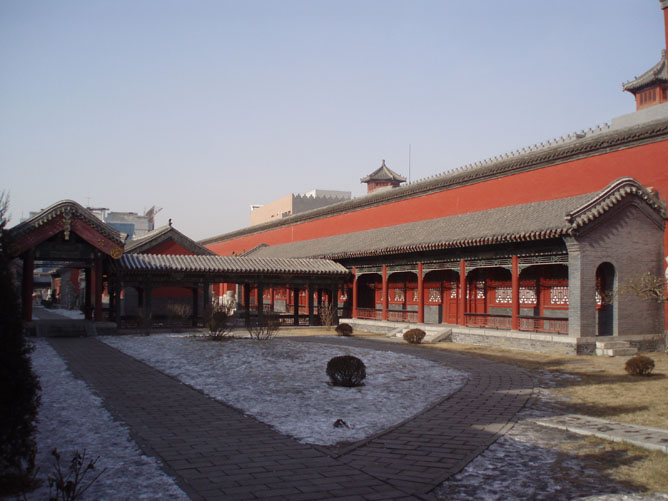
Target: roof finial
{"x":170,"y":221}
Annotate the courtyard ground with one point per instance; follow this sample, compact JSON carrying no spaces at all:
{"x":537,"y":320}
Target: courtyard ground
{"x":528,"y":462}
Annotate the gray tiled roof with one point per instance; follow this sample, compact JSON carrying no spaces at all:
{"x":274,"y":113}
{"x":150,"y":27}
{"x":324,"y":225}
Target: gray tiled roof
{"x":227,"y":264}
{"x":383,"y":173}
{"x":561,"y":150}
{"x":657,"y":74}
{"x":533,"y":221}
{"x":159,"y":235}
{"x":73,"y":209}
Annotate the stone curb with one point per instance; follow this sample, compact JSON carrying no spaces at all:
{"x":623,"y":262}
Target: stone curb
{"x":642,"y":436}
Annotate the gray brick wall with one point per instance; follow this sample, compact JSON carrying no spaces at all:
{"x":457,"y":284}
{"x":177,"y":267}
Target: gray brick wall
{"x":630,"y":237}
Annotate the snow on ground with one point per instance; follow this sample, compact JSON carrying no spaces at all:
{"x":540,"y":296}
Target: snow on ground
{"x":283,"y":383}
{"x":524,"y":463}
{"x":62,"y":312}
{"x":72,"y":418}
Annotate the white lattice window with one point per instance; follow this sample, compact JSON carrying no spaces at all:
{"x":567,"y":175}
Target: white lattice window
{"x":453,"y":291}
{"x":559,"y":295}
{"x":480,"y":289}
{"x":434,"y":295}
{"x":504,"y":295}
{"x":399,"y":295}
{"x":527,"y":296}
{"x":343,"y":297}
{"x":599,"y":298}
{"x":415,"y":296}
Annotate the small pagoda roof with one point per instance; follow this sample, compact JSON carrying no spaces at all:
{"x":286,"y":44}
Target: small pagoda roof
{"x":657,"y":74}
{"x":383,"y":173}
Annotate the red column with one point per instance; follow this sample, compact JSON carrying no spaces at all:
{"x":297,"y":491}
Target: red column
{"x":420,"y":295}
{"x":271,"y":298}
{"x":98,"y":290}
{"x":354,"y":292}
{"x":384,"y":292}
{"x":664,"y":6}
{"x":516,"y":294}
{"x":462,"y":292}
{"x":26,"y":289}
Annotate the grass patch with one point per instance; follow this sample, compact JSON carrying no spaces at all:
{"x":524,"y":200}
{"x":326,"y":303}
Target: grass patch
{"x":602,"y":388}
{"x":637,"y":468}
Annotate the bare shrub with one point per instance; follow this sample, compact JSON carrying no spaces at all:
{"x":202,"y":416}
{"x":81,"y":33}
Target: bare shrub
{"x":639,"y":365}
{"x":69,"y":484}
{"x":646,"y":286}
{"x":328,"y":315}
{"x":347,"y":371}
{"x":414,"y":336}
{"x":144,"y":320}
{"x":178,"y":313}
{"x":264,"y":326}
{"x":344,"y":330}
{"x":219,"y":323}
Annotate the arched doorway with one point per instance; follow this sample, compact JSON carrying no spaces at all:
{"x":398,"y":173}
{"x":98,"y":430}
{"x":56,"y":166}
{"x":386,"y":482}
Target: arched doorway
{"x":605,"y":301}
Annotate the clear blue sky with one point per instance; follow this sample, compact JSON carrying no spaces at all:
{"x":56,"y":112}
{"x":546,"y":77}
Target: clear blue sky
{"x":205,"y":107}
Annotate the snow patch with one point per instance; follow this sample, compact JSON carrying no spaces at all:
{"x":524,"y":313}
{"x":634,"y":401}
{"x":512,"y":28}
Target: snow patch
{"x":283,"y":383}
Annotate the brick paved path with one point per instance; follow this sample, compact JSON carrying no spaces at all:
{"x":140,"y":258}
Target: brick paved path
{"x":216,"y":452}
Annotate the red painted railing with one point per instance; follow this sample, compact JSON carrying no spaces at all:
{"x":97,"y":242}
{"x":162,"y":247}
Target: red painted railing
{"x":402,"y":316}
{"x":369,"y":314}
{"x":532,"y":324}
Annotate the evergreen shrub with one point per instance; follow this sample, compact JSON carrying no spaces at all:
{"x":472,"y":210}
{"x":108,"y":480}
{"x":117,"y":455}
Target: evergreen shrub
{"x":344,"y":330}
{"x":414,"y":336}
{"x":347,"y":371}
{"x":639,"y":365}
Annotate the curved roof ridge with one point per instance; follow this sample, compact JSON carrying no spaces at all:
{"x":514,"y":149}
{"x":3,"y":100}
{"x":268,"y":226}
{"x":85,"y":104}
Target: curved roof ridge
{"x":656,"y":74}
{"x":573,"y":145}
{"x":69,"y":206}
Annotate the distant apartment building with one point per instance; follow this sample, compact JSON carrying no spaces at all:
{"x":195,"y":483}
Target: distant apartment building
{"x":132,"y":224}
{"x":295,"y":204}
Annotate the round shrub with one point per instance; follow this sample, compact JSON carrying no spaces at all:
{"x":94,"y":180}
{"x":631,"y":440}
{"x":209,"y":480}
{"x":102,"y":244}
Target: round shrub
{"x":346,"y":370}
{"x":414,"y":336}
{"x":344,"y":330}
{"x":639,"y":365}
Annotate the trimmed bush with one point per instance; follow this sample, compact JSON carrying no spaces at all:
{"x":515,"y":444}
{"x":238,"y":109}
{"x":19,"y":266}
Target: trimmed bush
{"x":19,"y":385}
{"x":414,"y":336}
{"x":639,"y":365}
{"x":344,"y":330}
{"x":347,"y":371}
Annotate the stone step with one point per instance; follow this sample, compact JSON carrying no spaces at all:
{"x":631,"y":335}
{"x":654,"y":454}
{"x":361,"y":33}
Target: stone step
{"x":617,"y":352}
{"x":612,"y":344}
{"x":615,"y":348}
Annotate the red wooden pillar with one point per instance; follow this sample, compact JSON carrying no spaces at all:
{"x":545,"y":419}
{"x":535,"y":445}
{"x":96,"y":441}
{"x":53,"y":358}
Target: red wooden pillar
{"x":384,"y":292}
{"x":27,"y":285}
{"x":515,"y":324}
{"x":89,"y":294}
{"x":271,"y":298}
{"x":354,"y":315}
{"x":462,"y":292}
{"x":98,"y":289}
{"x":420,"y":286}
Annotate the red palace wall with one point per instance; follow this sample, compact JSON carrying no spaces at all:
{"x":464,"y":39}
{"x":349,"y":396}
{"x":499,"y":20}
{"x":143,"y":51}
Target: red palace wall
{"x":647,"y":163}
{"x":169,"y":247}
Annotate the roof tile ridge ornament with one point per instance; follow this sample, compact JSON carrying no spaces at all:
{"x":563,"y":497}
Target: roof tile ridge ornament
{"x":610,"y":196}
{"x":657,"y":72}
